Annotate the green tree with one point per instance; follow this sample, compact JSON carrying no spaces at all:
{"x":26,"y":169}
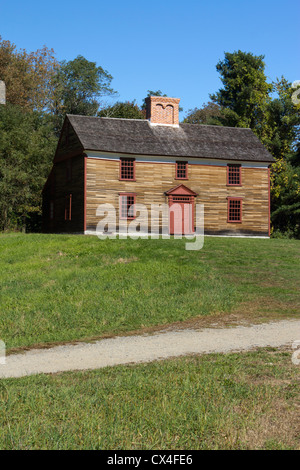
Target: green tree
{"x":209,"y":114}
{"x":245,"y":91}
{"x":79,"y":86}
{"x":285,"y":193}
{"x":283,"y":121}
{"x":28,"y":76}
{"x":295,"y":157}
{"x":27,"y":146}
{"x":213,"y":115}
{"x":246,"y":101}
{"x":126,"y":110}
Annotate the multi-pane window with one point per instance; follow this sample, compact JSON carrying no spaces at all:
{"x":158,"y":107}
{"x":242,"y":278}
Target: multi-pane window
{"x":234,"y":175}
{"x":182,"y":199}
{"x":68,"y":207}
{"x":234,"y":210}
{"x":127,"y":209}
{"x":127,"y":169}
{"x":181,"y":170}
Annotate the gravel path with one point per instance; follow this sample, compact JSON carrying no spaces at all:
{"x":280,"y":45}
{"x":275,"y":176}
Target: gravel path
{"x":144,"y":348}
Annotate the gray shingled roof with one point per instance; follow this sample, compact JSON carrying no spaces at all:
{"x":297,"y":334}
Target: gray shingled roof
{"x":138,"y":137}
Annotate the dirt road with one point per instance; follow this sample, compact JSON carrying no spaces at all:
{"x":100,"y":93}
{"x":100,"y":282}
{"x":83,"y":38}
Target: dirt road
{"x":145,"y":348}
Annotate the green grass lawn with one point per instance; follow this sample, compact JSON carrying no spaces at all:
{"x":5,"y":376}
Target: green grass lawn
{"x":57,"y":288}
{"x":234,"y":401}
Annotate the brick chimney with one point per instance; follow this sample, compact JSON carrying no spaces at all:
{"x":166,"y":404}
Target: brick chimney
{"x":2,"y":93}
{"x":162,"y":110}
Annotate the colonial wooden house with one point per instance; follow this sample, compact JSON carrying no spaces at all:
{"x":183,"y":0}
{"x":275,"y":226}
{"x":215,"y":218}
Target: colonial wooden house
{"x":155,"y":161}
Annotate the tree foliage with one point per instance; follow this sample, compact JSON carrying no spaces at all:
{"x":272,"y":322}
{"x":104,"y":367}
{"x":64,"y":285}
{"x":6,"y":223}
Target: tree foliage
{"x":125,"y":110}
{"x":79,"y":86}
{"x":27,"y":146}
{"x":28,"y":76}
{"x":285,"y":192}
{"x":248,"y":100}
{"x":282,"y":121}
{"x":210,"y":114}
{"x":245,"y":89}
{"x":39,"y":92}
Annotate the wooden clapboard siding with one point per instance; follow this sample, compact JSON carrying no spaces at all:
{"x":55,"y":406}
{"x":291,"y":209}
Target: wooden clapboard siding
{"x":208,"y":181}
{"x":96,"y":177}
{"x":69,"y":144}
{"x":56,"y":190}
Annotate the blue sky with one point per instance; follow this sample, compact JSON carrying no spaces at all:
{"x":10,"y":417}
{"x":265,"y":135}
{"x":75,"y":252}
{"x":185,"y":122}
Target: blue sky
{"x":169,"y":45}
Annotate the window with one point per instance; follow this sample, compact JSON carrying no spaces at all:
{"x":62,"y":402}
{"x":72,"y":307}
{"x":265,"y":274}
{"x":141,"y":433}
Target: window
{"x":234,"y":175}
{"x":234,"y":209}
{"x":127,"y":169}
{"x":68,"y":170}
{"x":51,"y":214}
{"x":181,"y":170}
{"x":127,"y":209}
{"x":182,"y":198}
{"x":68,"y":207}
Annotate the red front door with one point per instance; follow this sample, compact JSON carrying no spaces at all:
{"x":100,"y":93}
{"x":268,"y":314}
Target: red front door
{"x":181,"y":215}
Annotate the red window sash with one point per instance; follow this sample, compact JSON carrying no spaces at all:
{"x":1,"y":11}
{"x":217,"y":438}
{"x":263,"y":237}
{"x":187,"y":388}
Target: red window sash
{"x":68,"y":207}
{"x":123,"y":162}
{"x":122,"y":203}
{"x":232,"y":172}
{"x":178,"y":170}
{"x":232,"y":199}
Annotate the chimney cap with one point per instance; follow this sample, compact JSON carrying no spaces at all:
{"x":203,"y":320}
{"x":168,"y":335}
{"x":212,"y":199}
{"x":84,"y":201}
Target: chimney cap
{"x":163,"y":99}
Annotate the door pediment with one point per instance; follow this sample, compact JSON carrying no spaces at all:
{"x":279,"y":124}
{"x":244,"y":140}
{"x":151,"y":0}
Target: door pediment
{"x":180,"y":190}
